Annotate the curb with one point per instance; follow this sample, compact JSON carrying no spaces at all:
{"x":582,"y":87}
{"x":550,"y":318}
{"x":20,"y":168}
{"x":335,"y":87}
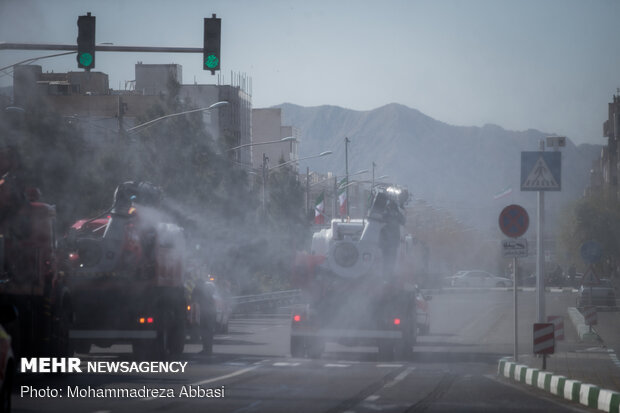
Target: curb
{"x":580,"y":325}
{"x":572,"y":390}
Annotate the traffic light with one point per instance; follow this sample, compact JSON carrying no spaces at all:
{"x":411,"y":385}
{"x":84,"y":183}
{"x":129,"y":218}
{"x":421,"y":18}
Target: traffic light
{"x":86,"y":42}
{"x":211,"y":50}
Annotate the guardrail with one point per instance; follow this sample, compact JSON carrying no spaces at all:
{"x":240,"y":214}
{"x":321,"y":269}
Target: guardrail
{"x":265,"y":302}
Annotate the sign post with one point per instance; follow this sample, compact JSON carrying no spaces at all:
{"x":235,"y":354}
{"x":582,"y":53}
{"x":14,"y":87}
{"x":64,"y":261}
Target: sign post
{"x":514,"y":221}
{"x":541,"y":171}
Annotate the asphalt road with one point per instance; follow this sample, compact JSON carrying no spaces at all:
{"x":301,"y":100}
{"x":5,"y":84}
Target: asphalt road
{"x":453,"y":369}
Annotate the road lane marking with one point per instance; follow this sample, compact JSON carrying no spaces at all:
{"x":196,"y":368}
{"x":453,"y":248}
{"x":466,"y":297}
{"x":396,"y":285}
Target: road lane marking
{"x":372,"y":398}
{"x":211,"y":380}
{"x":337,"y":365}
{"x":285,"y":364}
{"x":400,"y":377}
{"x":389,"y":365}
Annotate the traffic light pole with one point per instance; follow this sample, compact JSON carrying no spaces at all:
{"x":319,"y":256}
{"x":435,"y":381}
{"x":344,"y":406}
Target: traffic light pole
{"x":98,"y":48}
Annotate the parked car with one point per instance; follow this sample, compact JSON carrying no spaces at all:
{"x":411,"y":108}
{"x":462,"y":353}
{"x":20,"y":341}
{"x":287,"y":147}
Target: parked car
{"x":601,"y":292}
{"x":448,"y":281}
{"x":478,"y":278}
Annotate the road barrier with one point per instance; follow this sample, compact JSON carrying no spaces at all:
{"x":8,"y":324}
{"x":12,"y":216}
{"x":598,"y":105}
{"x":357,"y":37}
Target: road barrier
{"x":558,"y":326}
{"x":544,"y":342}
{"x":265,"y":302}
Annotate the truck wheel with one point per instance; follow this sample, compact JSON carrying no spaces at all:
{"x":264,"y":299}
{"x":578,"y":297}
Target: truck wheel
{"x":297,"y":347}
{"x":177,"y":334}
{"x":6,"y":390}
{"x":165,"y":334}
{"x":62,"y":344}
{"x":315,"y":348}
{"x":386,"y":350}
{"x":403,"y":347}
{"x":207,"y":328}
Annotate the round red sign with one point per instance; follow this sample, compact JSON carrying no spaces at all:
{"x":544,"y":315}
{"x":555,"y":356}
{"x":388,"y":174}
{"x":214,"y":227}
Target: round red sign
{"x":514,"y":221}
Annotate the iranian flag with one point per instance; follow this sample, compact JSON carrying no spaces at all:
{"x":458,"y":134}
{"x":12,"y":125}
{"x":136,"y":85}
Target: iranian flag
{"x":342,"y":198}
{"x":319,"y":209}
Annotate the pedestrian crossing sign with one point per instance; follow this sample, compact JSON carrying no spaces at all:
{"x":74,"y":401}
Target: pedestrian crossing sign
{"x":541,"y":171}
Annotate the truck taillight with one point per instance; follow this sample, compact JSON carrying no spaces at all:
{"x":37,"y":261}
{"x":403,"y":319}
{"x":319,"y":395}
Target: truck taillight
{"x":189,"y":308}
{"x":149,"y":320}
{"x":74,"y":256}
{"x":141,"y":320}
{"x":297,"y":318}
{"x":397,"y":321}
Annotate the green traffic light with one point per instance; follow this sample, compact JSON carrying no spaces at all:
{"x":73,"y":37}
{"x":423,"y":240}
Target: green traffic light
{"x":212,"y":61}
{"x":86,"y":59}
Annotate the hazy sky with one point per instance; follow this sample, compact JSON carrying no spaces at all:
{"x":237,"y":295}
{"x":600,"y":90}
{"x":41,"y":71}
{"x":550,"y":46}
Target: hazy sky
{"x":550,"y":65}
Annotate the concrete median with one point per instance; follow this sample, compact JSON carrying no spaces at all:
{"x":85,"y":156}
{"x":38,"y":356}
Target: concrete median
{"x":584,"y":331}
{"x":561,"y":386}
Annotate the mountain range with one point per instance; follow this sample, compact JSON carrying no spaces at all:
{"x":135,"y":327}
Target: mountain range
{"x":457,"y":168}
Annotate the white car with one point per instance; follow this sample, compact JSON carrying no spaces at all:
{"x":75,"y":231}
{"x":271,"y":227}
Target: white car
{"x":478,"y":278}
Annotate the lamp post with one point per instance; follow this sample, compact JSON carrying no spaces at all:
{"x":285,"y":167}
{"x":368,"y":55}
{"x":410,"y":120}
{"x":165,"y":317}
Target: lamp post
{"x":266,"y":170}
{"x":245,"y":145}
{"x":150,"y":123}
{"x":346,"y":166}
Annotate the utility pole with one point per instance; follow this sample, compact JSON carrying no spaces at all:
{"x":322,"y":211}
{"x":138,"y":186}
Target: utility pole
{"x":372,"y":188}
{"x":265,"y":161}
{"x":121,"y":114}
{"x":346,"y":166}
{"x":307,"y":190}
{"x":335,"y":200}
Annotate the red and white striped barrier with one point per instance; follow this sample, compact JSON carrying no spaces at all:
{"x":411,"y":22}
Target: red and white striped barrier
{"x":589,"y":315}
{"x":544,"y":343}
{"x":558,"y":326}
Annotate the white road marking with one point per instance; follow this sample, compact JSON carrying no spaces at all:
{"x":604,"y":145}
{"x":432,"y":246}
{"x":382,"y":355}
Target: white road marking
{"x":285,"y":364}
{"x":371,"y":398}
{"x":211,"y":380}
{"x":389,"y":365}
{"x":401,"y":376}
{"x":337,"y":365}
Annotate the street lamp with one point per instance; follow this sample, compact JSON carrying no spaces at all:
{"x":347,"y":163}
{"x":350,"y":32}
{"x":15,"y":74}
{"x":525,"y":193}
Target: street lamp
{"x":151,"y":122}
{"x":266,"y":170}
{"x":301,"y":159}
{"x":245,"y":145}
